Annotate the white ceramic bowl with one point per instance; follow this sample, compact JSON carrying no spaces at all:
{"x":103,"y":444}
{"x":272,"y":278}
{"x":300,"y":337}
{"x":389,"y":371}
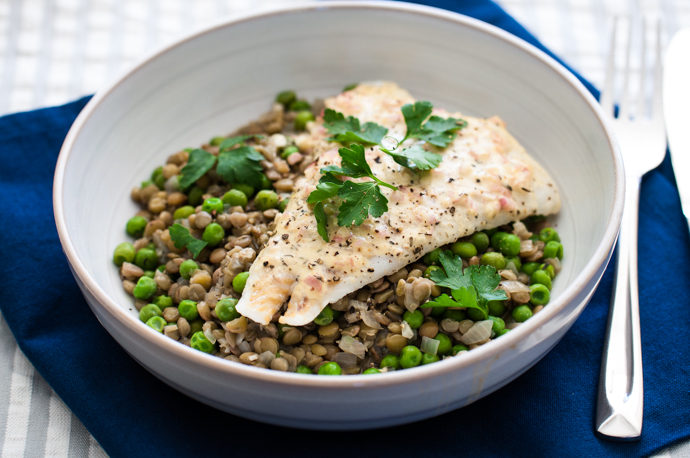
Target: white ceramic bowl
{"x":218,"y":79}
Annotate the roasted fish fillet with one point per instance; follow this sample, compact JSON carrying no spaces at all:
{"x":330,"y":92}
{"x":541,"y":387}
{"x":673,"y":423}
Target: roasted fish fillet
{"x":486,"y":180}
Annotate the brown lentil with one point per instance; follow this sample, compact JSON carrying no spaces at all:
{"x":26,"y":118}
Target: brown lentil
{"x":428,"y":329}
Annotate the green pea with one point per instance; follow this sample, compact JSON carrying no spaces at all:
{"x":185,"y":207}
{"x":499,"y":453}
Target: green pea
{"x":493,"y":258}
{"x":498,"y":325}
{"x":187,"y":268}
{"x":480,"y":240}
{"x":145,"y":288}
{"x":325,"y":317}
{"x":350,"y":87}
{"x":225,"y":309}
{"x":160,"y":181}
{"x":445,"y":344}
{"x":539,"y":294}
{"x":265,"y":182}
{"x":530,"y":267}
{"x":522,"y":313}
{"x":301,"y":369}
{"x":553,"y":249}
{"x":302,"y":118}
{"x":496,"y":239}
{"x":146,"y":183}
{"x":283,"y":204}
{"x":163,"y":302}
{"x":266,"y":199}
{"x":240,"y":281}
{"x":549,"y":234}
{"x":213,"y":234}
{"x":149,"y":311}
{"x":124,"y":252}
{"x":151,"y":246}
{"x":183,"y":212}
{"x":428,"y":358}
{"x":428,"y":270}
{"x":286,"y":97}
{"x":516,"y":262}
{"x":216,"y":141}
{"x":410,"y":356}
{"x":211,"y":204}
{"x":510,"y":245}
{"x":457,"y":315}
{"x":371,"y":370}
{"x":146,"y":258}
{"x":299,"y":105}
{"x":464,"y":249}
{"x":188,"y":310}
{"x":161,"y":268}
{"x":437,"y":311}
{"x":476,"y":314}
{"x":157,"y":171}
{"x":195,"y":196}
{"x":414,"y":319}
{"x":490,"y":232}
{"x":281,"y":331}
{"x":432,"y":258}
{"x":235,"y":198}
{"x":149,"y":273}
{"x":549,"y":269}
{"x":292,"y":149}
{"x":542,"y":277}
{"x":390,"y":360}
{"x":196,"y":326}
{"x":157,"y":323}
{"x":458,"y":348}
{"x":136,"y":225}
{"x":248,"y":190}
{"x":496,"y":308}
{"x":201,"y":343}
{"x":502,"y":332}
{"x":331,"y":368}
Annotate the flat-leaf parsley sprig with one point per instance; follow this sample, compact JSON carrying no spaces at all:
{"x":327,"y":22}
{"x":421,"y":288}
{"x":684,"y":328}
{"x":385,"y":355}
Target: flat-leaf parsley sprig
{"x":183,"y":239}
{"x":472,"y":288}
{"x":359,"y":199}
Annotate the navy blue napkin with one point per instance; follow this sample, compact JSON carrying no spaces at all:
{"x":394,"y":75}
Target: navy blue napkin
{"x":548,"y":411}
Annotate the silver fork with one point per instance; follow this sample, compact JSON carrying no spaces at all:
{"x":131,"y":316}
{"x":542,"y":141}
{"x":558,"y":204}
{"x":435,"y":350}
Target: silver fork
{"x":642,"y":141}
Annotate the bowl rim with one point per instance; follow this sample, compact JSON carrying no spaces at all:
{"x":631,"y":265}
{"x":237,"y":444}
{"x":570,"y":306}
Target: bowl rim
{"x":191,"y":356}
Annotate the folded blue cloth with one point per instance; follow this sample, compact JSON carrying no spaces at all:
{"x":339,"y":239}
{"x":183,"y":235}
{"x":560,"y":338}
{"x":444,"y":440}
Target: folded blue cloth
{"x":548,"y":411}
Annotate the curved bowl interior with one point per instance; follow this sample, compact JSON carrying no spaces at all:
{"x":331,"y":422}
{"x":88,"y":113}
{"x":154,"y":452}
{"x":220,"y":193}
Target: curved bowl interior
{"x":218,"y":80}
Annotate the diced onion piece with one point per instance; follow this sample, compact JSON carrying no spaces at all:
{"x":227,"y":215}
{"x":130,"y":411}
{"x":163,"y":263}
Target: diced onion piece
{"x":556,"y":263}
{"x":512,"y":325}
{"x":345,"y":360}
{"x":369,"y":319}
{"x":521,"y":231}
{"x":465,"y":325}
{"x":358,"y":305}
{"x":478,"y":333}
{"x":267,"y":358}
{"x":509,"y":273}
{"x":514,"y":287}
{"x":172,"y":184}
{"x":429,"y":345}
{"x":527,"y":248}
{"x":407,"y":331}
{"x":351,"y":345}
{"x":209,"y":335}
{"x":245,"y":347}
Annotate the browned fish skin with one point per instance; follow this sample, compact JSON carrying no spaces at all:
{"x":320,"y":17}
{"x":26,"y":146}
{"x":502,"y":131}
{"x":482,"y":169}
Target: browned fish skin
{"x":486,"y":180}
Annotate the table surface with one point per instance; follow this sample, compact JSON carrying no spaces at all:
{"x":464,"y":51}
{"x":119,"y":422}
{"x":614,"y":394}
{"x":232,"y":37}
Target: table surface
{"x":54,"y":51}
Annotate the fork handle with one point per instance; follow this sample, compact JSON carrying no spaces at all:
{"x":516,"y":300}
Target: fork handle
{"x":620,"y":403}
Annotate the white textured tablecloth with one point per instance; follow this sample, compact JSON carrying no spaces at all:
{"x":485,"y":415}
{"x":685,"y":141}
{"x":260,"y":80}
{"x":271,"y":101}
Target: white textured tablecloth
{"x":54,"y":51}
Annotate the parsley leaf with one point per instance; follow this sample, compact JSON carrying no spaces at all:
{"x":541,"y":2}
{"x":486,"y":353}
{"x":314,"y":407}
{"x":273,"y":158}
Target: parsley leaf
{"x":473,"y":287}
{"x":354,"y":164}
{"x":241,"y":165}
{"x":360,"y":200}
{"x":415,"y":157}
{"x":230,"y":142}
{"x":437,"y":131}
{"x":321,"y":220}
{"x":452,"y":275}
{"x":328,"y":187}
{"x":182,"y":238}
{"x":199,"y":163}
{"x":347,"y":130}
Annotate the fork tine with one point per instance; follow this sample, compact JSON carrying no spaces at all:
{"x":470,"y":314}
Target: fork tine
{"x":606,"y":96}
{"x":658,"y":76}
{"x":624,"y":108}
{"x":642,"y":96}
